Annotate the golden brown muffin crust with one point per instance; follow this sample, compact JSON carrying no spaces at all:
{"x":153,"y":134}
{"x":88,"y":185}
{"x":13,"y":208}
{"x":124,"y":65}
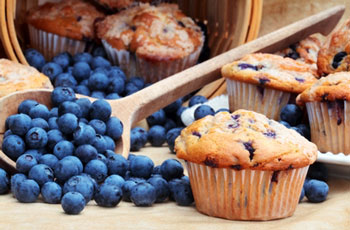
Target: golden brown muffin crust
{"x":70,"y":18}
{"x":155,"y":33}
{"x":15,"y":77}
{"x":272,"y":71}
{"x":334,"y":54}
{"x":333,"y":87}
{"x":244,"y":140}
{"x":117,"y":5}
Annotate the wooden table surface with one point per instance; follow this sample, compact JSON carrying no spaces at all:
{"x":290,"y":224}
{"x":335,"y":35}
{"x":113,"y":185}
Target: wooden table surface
{"x":334,"y":213}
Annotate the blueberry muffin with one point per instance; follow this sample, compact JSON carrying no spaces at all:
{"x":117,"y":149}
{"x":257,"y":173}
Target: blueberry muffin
{"x":244,"y":166}
{"x":328,"y":108}
{"x":117,"y":5}
{"x":15,"y":77}
{"x":62,"y":26}
{"x":334,"y":54}
{"x":265,"y":83}
{"x":154,"y":41}
{"x":305,"y":51}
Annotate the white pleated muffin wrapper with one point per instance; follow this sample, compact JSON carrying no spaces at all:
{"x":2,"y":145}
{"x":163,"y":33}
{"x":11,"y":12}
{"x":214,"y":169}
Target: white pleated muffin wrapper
{"x":148,"y":70}
{"x":50,"y":44}
{"x":248,"y":96}
{"x":245,"y":194}
{"x":330,"y":126}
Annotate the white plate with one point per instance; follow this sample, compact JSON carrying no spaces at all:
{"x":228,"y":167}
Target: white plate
{"x":330,"y":158}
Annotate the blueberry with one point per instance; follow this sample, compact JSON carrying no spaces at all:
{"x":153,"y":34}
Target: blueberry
{"x":285,"y":124}
{"x":114,"y":128}
{"x":169,"y":124}
{"x":84,"y":134}
{"x":156,"y":170}
{"x":99,"y":126}
{"x":116,"y":85}
{"x":181,"y":192}
{"x":138,"y":138}
{"x":115,"y":180}
{"x":116,"y":72}
{"x":39,"y":111}
{"x":85,"y":82}
{"x":171,"y":135}
{"x":198,"y":99}
{"x":85,"y":105}
{"x":99,"y":51}
{"x":222,"y":110}
{"x":137,"y":180}
{"x":157,"y":135}
{"x":81,"y":71}
{"x":97,"y":170}
{"x":86,"y":153}
{"x":203,"y":111}
{"x":80,"y":184}
{"x":9,"y":120}
{"x":4,"y":182}
{"x":127,"y":187}
{"x":36,"y":153}
{"x":304,"y":131}
{"x":25,"y":162}
{"x":108,"y":195}
{"x":98,"y":94}
{"x":112,"y":96}
{"x":99,"y":61}
{"x":41,"y":123}
{"x":157,"y":118}
{"x":137,"y":81}
{"x":337,"y":59}
{"x":90,"y":179}
{"x":27,"y":191}
{"x":103,"y":70}
{"x":51,"y":193}
{"x":110,"y":145}
{"x":69,"y":107}
{"x":13,"y":146}
{"x":61,"y":94}
{"x":52,"y":70}
{"x":63,"y":148}
{"x":316,"y":191}
{"x":98,"y":81}
{"x":26,"y":105}
{"x":63,"y":59}
{"x":53,"y":112}
{"x":117,"y":164}
{"x":49,"y":160}
{"x":16,"y":179}
{"x":318,"y":171}
{"x":173,"y":107}
{"x":102,"y":158}
{"x":171,"y":169}
{"x":65,"y":80}
{"x":143,"y":194}
{"x":36,"y":138}
{"x":82,"y":89}
{"x":161,"y":186}
{"x":53,"y":137}
{"x":20,"y":124}
{"x":100,"y":109}
{"x":141,"y":166}
{"x":99,"y":143}
{"x":67,"y":167}
{"x":34,"y":58}
{"x":82,"y":57}
{"x":41,"y":174}
{"x":302,"y":194}
{"x":130,"y":88}
{"x":292,"y":114}
{"x":73,"y":203}
{"x":67,"y":123}
{"x":7,"y":133}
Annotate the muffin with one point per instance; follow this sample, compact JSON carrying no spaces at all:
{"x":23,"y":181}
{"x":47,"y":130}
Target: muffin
{"x":305,"y":51}
{"x":152,"y":42}
{"x":62,"y":26}
{"x":243,"y":166}
{"x":328,"y":108}
{"x":114,"y":6}
{"x":15,"y":77}
{"x":333,"y":56}
{"x":265,"y":83}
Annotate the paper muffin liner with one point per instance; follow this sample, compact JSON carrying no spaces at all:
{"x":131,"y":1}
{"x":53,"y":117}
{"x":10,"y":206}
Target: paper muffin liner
{"x":50,"y":44}
{"x":150,"y":71}
{"x":330,"y":126}
{"x":246,"y":194}
{"x":256,"y":98}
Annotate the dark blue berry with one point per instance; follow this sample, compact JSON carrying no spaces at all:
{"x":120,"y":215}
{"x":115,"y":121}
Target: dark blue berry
{"x":36,"y":138}
{"x":61,"y":94}
{"x":171,"y":135}
{"x":138,"y":138}
{"x":110,"y":145}
{"x":41,"y":174}
{"x":52,"y":70}
{"x":141,"y":166}
{"x":67,"y":167}
{"x":53,"y":137}
{"x":157,"y":135}
{"x":338,"y":59}
{"x":36,"y":153}
{"x":117,"y":164}
{"x":73,"y":203}
{"x":100,"y":109}
{"x":171,"y":169}
{"x":99,"y":126}
{"x":316,"y":191}
{"x":203,"y":111}
{"x":27,"y":191}
{"x":99,"y":143}
{"x":49,"y":160}
{"x":112,"y":96}
{"x":15,"y":180}
{"x":181,"y":192}
{"x":26,"y":105}
{"x":96,"y":169}
{"x":65,"y":80}
{"x":157,"y":118}
{"x":20,"y":124}
{"x":80,"y":184}
{"x":34,"y":58}
{"x":161,"y":186}
{"x":137,"y":81}
{"x":69,"y":107}
{"x":53,"y":112}
{"x":115,"y":180}
{"x":84,"y":134}
{"x":116,"y":72}
{"x":98,"y":94}
{"x":82,"y":89}
{"x":292,"y":114}
{"x":85,"y":105}
{"x":63,"y":148}
{"x":99,"y":51}
{"x":116,"y":85}
{"x":67,"y":123}
{"x":82,"y":57}
{"x":130,"y":88}
{"x":4,"y":182}
{"x":108,"y":195}
{"x":81,"y":71}
{"x":86,"y":153}
{"x":198,"y":99}
{"x":98,"y":82}
{"x":99,"y":61}
{"x":127,"y":187}
{"x":318,"y":171}
{"x":169,"y":124}
{"x":39,"y":111}
{"x":285,"y":124}
{"x":7,"y":133}
{"x":156,"y":170}
{"x":114,"y":128}
{"x":51,"y":193}
{"x":13,"y":146}
{"x":143,"y":194}
{"x":63,"y":59}
{"x":41,"y":123}
{"x":173,"y":107}
{"x":25,"y":162}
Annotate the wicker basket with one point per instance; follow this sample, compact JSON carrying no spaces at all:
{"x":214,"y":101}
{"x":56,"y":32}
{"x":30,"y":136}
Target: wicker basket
{"x":230,"y":23}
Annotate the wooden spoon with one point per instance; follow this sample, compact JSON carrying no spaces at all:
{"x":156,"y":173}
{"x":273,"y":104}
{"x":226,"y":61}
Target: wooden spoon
{"x":145,"y":102}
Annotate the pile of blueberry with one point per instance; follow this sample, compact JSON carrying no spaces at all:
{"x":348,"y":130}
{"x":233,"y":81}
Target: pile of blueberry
{"x":88,"y":74}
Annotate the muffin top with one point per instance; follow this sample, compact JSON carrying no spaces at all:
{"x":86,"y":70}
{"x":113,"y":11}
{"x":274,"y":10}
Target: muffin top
{"x":334,"y":54}
{"x":333,"y":87}
{"x":272,"y":71}
{"x":16,"y":77}
{"x":70,"y":18}
{"x":244,"y":140}
{"x":155,"y":33}
{"x":117,"y":5}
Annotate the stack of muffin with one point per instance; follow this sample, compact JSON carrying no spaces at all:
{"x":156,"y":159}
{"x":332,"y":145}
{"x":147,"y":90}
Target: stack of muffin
{"x":151,"y":41}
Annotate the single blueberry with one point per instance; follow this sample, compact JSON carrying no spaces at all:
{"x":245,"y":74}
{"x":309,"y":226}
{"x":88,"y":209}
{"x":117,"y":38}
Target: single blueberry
{"x":96,"y":169}
{"x":82,"y":57}
{"x":99,"y":51}
{"x":338,"y":59}
{"x":103,"y":70}
{"x":7,"y":133}
{"x":143,"y":194}
{"x":108,"y":195}
{"x":130,"y":88}
{"x":85,"y":105}
{"x":203,"y":111}
{"x":171,"y":169}
{"x":161,"y":186}
{"x":292,"y":114}
{"x":36,"y":153}
{"x":80,"y":184}
{"x":51,"y":193}
{"x":49,"y":160}
{"x":63,"y":148}
{"x":138,"y":138}
{"x":99,"y":143}
{"x":304,"y":131}
{"x":98,"y":82}
{"x":39,"y":111}
{"x":27,"y":191}
{"x":25,"y":162}
{"x":117,"y":164}
{"x":52,"y":70}
{"x":84,"y":82}
{"x":110,"y":145}
{"x":53,"y":137}
{"x":156,"y":170}
{"x":116,"y":85}
{"x":81,"y":71}
{"x":53,"y":112}
{"x":69,"y":107}
{"x":157,"y":135}
{"x":141,"y":166}
{"x":115,"y":180}
{"x":198,"y":99}
{"x":318,"y":171}
{"x":82,"y":89}
{"x":36,"y":138}
{"x":173,"y":107}
{"x":20,"y":124}
{"x":115,"y":71}
{"x":86,"y":153}
{"x":67,"y":167}
{"x":99,"y":61}
{"x":98,"y":94}
{"x":41,"y":123}
{"x":114,"y":128}
{"x":169,"y":124}
{"x":26,"y":105}
{"x":41,"y":174}
{"x":61,"y":94}
{"x":13,"y":146}
{"x":137,"y":81}
{"x":65,"y":80}
{"x":63,"y":59}
{"x":316,"y":191}
{"x":67,"y":123}
{"x":84,"y":134}
{"x":171,"y":135}
{"x":102,"y":158}
{"x":16,"y":179}
{"x":112,"y":96}
{"x":4,"y":182}
{"x":99,"y":126}
{"x":180,"y":191}
{"x":157,"y":118}
{"x":9,"y":120}
{"x":73,"y":203}
{"x":100,"y":109}
{"x":34,"y":58}
{"x":127,"y":187}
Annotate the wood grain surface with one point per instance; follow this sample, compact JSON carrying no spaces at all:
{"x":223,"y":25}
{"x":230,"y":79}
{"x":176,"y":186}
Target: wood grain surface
{"x":334,"y":213}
